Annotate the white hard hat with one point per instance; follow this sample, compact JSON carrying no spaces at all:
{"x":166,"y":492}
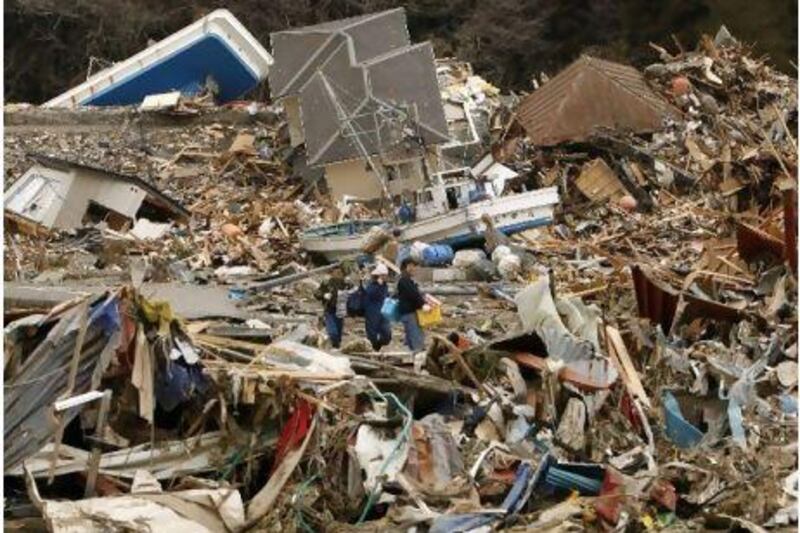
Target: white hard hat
{"x":380,"y":270}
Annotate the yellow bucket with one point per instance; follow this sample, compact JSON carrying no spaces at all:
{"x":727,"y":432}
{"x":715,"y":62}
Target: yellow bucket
{"x":429,"y":318}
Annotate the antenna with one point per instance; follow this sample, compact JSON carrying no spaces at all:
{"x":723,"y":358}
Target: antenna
{"x":390,"y":124}
{"x":347,"y":125}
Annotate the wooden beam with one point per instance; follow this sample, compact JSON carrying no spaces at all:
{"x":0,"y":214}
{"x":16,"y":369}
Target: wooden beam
{"x":99,"y":431}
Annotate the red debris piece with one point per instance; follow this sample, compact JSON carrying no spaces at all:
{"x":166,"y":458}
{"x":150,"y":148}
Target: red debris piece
{"x":294,"y":431}
{"x":663,"y":493}
{"x":612,"y":494}
{"x":681,"y":85}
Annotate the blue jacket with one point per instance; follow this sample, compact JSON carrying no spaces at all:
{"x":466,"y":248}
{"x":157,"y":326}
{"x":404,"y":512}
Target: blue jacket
{"x":375,"y":294}
{"x":379,"y":330}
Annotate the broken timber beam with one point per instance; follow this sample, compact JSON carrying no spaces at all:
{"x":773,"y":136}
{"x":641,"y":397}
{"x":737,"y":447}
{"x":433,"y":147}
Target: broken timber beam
{"x":291,"y":278}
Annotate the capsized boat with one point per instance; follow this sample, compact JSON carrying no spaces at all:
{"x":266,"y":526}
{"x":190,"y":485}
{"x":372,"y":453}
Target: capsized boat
{"x":447,"y":217}
{"x":217,"y":47}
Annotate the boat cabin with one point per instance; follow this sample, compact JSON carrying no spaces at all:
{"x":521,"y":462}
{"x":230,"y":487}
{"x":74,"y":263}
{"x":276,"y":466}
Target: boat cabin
{"x":441,"y":198}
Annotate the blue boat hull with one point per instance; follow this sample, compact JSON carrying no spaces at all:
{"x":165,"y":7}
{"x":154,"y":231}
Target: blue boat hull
{"x":466,"y":239}
{"x":186,"y":71}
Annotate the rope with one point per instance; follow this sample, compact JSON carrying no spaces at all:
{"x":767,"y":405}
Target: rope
{"x":301,"y":490}
{"x":404,"y":437}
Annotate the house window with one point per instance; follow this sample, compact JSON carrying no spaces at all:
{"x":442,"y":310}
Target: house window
{"x":425,"y":197}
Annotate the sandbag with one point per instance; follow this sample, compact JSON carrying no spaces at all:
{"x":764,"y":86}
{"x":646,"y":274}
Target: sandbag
{"x":417,"y":248}
{"x":509,"y":266}
{"x":465,"y":258}
{"x":499,"y":253}
{"x":437,"y":255}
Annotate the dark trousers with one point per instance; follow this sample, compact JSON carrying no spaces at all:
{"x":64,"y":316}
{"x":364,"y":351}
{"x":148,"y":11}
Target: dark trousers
{"x":379,"y":330}
{"x":415,"y":337}
{"x":335,"y":327}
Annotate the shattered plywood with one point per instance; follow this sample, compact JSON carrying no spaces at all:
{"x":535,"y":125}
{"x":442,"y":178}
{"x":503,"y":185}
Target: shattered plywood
{"x":599,"y":183}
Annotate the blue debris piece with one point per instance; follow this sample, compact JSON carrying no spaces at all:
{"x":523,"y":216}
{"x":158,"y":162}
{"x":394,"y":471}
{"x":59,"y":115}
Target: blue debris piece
{"x":525,"y":480}
{"x":179,"y":382}
{"x":105,"y":314}
{"x":788,"y":404}
{"x":736,"y":423}
{"x":237,"y":293}
{"x":678,"y":429}
{"x":586,"y":478}
{"x":437,"y":255}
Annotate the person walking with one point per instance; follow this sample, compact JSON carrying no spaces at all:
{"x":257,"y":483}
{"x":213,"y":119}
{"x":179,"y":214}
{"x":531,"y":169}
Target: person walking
{"x":409,"y":301}
{"x":379,"y":330}
{"x":328,"y":294}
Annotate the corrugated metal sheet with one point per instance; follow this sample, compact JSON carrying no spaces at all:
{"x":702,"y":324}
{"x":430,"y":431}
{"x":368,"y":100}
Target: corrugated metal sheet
{"x":656,"y":302}
{"x":29,"y":395}
{"x":659,"y":302}
{"x":753,"y":244}
{"x":589,"y":94}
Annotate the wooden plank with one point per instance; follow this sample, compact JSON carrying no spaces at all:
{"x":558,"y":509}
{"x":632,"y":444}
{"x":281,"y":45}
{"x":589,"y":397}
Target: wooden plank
{"x":99,"y":431}
{"x":565,"y":374}
{"x":459,"y":357}
{"x":621,"y":358}
{"x":73,"y":373}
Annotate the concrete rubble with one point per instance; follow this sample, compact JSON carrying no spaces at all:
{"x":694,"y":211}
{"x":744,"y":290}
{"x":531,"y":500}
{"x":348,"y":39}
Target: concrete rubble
{"x":630,"y":366}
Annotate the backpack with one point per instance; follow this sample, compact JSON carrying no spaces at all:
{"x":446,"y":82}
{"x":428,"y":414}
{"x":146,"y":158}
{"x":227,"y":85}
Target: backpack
{"x":355,"y":301}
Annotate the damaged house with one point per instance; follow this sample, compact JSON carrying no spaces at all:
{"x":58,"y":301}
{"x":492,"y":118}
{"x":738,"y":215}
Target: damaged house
{"x":61,"y":194}
{"x":364,"y":100}
{"x":589,"y":94}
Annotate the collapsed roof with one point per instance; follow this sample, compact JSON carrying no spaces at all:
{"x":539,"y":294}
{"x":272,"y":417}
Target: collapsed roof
{"x":359,"y":81}
{"x":591,"y":93}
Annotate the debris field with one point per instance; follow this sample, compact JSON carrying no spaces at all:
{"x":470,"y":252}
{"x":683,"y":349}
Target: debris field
{"x":630,"y":364}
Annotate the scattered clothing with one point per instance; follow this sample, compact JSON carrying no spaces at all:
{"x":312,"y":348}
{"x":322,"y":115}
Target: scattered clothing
{"x":379,"y":330}
{"x":177,"y":382}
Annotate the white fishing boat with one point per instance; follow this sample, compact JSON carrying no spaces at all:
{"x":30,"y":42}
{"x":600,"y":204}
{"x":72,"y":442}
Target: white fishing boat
{"x":216,"y":48}
{"x":445,"y":215}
